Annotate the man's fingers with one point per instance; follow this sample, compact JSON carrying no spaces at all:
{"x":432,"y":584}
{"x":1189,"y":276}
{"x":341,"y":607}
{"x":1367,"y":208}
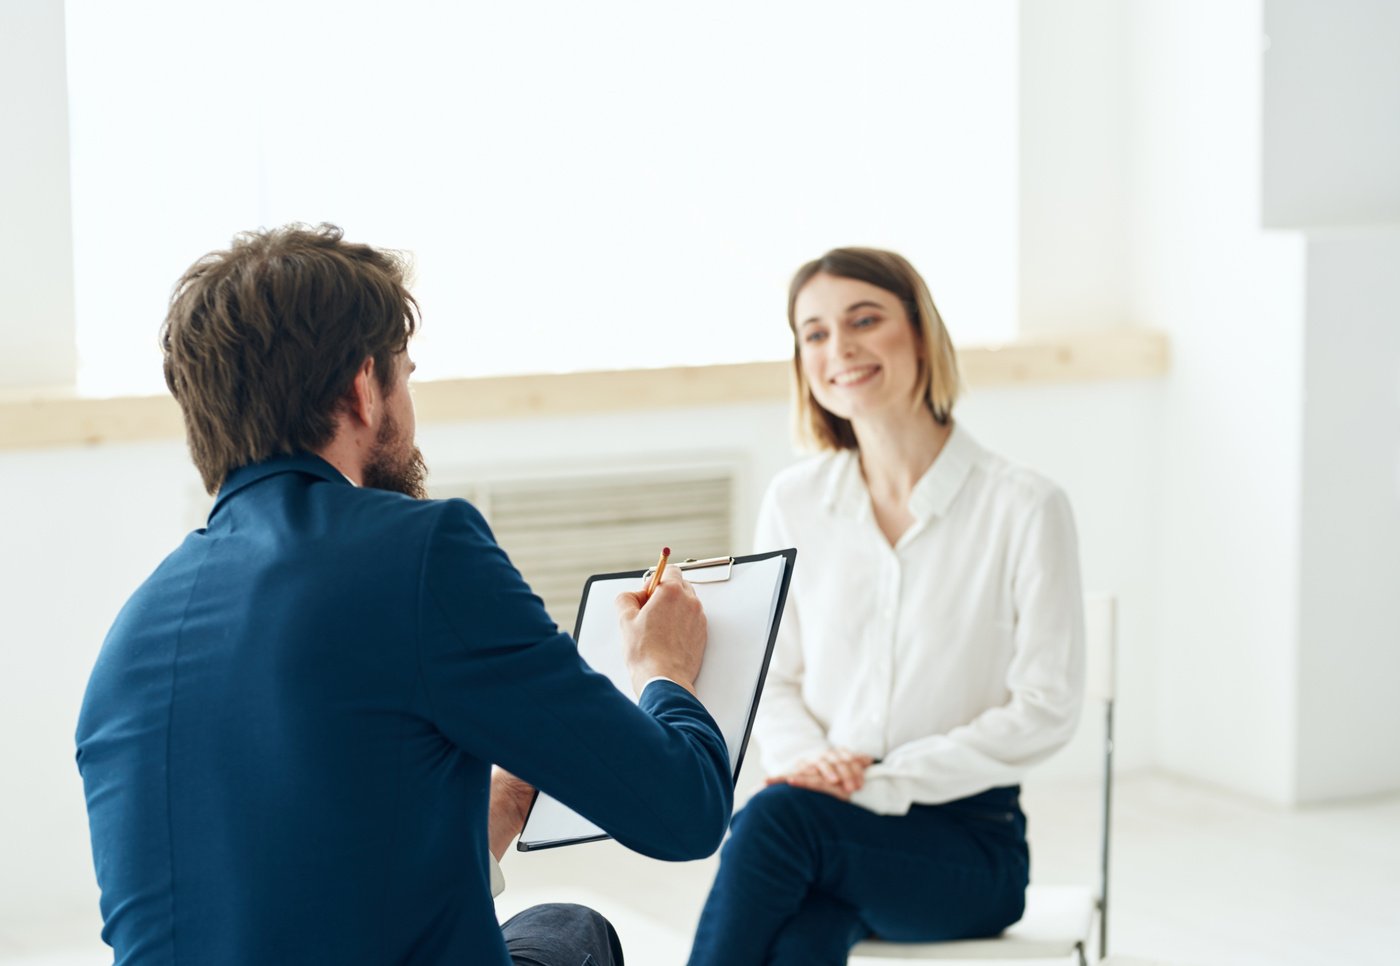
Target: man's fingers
{"x":671,"y":582}
{"x":628,"y":604}
{"x":675,"y":581}
{"x":675,"y":585}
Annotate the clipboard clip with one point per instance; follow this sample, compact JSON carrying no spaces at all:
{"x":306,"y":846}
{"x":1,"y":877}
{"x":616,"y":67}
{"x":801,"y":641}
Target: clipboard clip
{"x":711,"y":570}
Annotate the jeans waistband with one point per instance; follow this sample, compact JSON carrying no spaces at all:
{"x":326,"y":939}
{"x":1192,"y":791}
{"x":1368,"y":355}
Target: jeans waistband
{"x":1006,"y":798}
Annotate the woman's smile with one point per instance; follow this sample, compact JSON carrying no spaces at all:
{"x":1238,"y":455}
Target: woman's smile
{"x":855,"y":376}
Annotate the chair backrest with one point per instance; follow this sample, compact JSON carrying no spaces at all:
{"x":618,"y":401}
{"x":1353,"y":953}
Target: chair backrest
{"x":1100,"y":646}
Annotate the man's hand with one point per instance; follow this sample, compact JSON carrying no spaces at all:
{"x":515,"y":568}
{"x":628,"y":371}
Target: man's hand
{"x":664,"y":636}
{"x":838,"y":772}
{"x":510,"y":803}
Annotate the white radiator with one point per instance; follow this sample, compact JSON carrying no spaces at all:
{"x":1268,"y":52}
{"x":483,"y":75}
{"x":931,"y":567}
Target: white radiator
{"x":560,"y":527}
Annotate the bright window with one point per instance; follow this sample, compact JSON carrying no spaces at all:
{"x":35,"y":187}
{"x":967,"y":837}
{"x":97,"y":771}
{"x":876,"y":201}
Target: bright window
{"x":582,"y":185}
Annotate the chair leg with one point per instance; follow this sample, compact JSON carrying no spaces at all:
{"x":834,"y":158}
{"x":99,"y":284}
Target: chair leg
{"x":1107,"y":819}
{"x":1083,"y":960}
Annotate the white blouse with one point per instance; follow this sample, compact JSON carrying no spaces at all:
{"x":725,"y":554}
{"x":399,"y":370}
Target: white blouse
{"x":954,"y":658}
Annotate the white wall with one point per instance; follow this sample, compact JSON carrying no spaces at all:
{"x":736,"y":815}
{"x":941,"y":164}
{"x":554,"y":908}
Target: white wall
{"x":1230,"y":296}
{"x":1331,"y":152}
{"x":36,"y":233}
{"x":1348,"y":715}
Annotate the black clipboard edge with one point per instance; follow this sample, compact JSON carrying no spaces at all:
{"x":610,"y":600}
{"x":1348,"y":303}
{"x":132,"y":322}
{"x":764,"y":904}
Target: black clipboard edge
{"x":789,"y":561}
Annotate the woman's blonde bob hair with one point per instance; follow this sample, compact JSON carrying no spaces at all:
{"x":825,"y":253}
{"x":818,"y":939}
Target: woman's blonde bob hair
{"x":938,"y":364}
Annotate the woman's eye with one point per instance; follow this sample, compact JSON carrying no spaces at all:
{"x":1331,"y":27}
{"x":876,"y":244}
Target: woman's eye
{"x":864,"y":321}
{"x":814,"y":337}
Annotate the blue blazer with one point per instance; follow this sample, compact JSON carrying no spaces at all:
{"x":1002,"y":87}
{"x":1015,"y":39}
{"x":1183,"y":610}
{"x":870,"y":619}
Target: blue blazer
{"x":287,"y":739}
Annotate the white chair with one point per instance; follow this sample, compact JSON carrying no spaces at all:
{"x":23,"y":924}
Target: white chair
{"x":1059,"y":920}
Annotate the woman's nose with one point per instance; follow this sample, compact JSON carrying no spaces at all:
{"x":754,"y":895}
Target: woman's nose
{"x":842,"y":345}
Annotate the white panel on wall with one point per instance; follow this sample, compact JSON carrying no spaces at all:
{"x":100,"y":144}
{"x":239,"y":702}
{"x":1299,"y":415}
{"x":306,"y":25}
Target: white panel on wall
{"x":1349,"y":662}
{"x":561,"y":527}
{"x":1331,"y":113}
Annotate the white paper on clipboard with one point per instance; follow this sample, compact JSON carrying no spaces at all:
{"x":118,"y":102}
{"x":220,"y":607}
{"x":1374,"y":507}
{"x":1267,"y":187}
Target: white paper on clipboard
{"x":742,"y":597}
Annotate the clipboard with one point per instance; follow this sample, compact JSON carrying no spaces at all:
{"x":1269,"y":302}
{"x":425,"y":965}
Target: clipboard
{"x":743,"y":599}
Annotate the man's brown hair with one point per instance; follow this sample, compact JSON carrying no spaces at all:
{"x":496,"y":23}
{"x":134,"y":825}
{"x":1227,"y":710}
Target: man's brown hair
{"x":938,"y":381}
{"x":262,"y":341}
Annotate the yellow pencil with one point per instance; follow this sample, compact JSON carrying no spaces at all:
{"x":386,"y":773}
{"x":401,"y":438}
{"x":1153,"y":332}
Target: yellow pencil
{"x":660,"y":569}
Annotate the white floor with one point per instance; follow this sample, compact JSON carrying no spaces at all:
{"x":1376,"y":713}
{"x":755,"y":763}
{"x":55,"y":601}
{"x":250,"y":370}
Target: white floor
{"x":1200,"y":878}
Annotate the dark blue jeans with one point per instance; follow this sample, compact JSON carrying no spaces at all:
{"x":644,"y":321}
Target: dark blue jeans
{"x":561,"y":934}
{"x":805,"y":876}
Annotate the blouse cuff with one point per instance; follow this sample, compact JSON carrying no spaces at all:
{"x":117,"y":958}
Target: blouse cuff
{"x":883,"y":796}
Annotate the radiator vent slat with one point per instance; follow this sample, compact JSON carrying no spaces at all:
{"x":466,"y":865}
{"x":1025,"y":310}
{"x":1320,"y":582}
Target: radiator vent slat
{"x":559,"y":530}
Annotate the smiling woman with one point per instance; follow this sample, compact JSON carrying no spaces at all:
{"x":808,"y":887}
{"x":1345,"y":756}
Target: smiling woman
{"x":914,"y":684}
{"x":582,"y":186}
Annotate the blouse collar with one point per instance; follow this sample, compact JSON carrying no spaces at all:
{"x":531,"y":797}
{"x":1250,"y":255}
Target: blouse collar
{"x":847,"y":496}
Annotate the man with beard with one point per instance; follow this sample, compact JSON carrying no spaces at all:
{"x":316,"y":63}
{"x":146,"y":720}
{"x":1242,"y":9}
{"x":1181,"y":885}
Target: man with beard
{"x":288,"y":740}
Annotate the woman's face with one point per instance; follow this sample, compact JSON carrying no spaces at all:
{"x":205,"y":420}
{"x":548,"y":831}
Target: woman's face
{"x":857,"y":348}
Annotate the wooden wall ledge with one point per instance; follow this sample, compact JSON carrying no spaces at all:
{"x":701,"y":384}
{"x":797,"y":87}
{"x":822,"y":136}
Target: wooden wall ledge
{"x":1089,"y":355}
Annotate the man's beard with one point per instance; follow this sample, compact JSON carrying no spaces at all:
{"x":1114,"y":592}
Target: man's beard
{"x":395,"y":464}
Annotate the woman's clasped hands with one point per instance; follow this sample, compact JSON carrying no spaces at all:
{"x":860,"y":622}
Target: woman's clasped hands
{"x":838,"y":772}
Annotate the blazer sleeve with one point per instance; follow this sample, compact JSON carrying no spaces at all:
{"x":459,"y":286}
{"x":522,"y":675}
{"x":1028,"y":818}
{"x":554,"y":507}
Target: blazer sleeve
{"x":1045,"y":681}
{"x":785,"y":730}
{"x":504,"y":684}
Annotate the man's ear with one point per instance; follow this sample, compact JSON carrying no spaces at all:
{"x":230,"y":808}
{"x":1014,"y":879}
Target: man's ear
{"x":364,"y":393}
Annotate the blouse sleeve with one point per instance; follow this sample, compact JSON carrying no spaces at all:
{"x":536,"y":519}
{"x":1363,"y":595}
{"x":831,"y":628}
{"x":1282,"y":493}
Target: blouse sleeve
{"x":1045,"y":681}
{"x":785,"y":729}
